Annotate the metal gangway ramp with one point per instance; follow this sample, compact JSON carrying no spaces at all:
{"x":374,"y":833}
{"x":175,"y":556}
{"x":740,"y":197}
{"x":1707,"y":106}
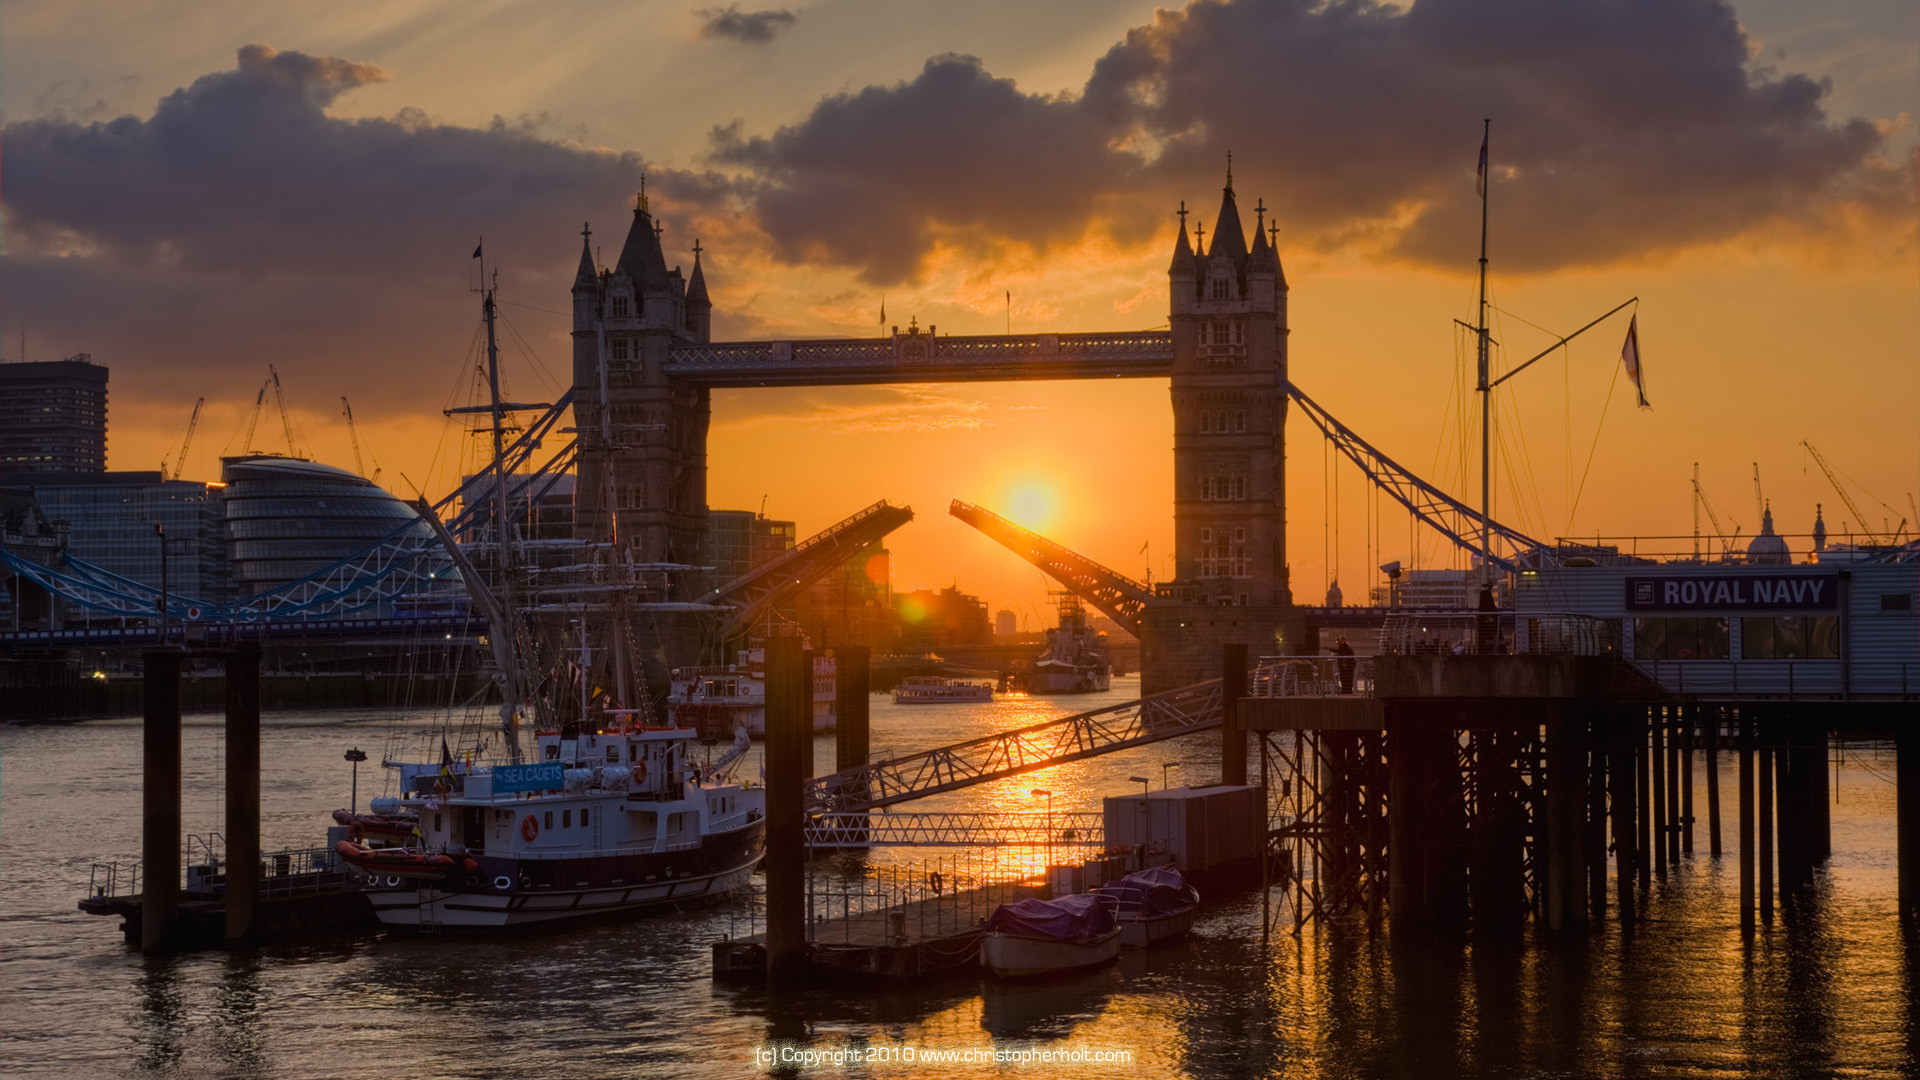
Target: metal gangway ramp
{"x":1163,"y":716}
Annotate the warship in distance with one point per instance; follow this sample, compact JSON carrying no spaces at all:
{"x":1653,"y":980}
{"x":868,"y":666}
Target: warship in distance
{"x":1075,"y":659}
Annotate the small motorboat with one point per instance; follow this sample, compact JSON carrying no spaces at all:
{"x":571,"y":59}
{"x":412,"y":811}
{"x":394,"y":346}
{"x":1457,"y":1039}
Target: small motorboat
{"x":1042,"y":937}
{"x":399,"y":862}
{"x":1151,"y":905}
{"x":386,"y":828}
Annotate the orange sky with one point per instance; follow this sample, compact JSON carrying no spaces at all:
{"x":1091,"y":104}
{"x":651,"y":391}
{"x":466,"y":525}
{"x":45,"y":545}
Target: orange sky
{"x":1756,"y":334}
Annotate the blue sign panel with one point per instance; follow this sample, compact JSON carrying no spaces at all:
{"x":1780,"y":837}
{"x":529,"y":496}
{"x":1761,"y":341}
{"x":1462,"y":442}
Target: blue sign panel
{"x":541,"y":777}
{"x":1817,"y":591}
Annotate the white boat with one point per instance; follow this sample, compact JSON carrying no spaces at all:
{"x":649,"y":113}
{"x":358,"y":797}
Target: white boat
{"x":1151,"y":906}
{"x":605,"y":822}
{"x":934,"y":690}
{"x":1046,"y":937}
{"x":714,"y":700}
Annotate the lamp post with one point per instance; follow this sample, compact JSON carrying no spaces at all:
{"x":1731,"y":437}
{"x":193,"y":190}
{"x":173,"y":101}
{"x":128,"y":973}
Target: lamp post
{"x":1164,"y":766}
{"x":1038,"y":792}
{"x":355,"y":755}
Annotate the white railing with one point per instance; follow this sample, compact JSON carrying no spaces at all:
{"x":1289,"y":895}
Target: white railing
{"x":1311,"y":676}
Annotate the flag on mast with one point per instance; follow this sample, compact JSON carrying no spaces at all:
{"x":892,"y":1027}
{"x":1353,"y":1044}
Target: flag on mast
{"x":883,"y":310}
{"x":1630,"y":356}
{"x":1480,"y":172}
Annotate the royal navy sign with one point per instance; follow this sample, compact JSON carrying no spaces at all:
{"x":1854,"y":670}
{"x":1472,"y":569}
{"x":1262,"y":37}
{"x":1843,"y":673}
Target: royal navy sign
{"x":1805,"y":591}
{"x":542,"y":777}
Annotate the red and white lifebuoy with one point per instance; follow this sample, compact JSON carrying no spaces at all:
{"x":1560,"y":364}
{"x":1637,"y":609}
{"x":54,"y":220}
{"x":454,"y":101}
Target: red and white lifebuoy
{"x":640,"y":771}
{"x":529,"y":827}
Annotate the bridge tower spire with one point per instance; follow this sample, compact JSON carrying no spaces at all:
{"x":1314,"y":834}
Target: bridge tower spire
{"x":1227,"y":310}
{"x":647,"y":431}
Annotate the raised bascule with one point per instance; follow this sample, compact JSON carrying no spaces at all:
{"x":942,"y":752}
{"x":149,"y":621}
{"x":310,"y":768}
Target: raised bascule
{"x":645,"y":366}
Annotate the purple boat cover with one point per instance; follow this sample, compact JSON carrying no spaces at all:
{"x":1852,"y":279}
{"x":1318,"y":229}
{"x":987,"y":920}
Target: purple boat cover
{"x":1157,"y":890}
{"x":1062,"y":919}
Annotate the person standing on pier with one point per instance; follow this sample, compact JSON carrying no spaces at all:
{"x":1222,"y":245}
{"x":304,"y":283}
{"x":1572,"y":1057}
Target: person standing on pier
{"x":1346,"y":663}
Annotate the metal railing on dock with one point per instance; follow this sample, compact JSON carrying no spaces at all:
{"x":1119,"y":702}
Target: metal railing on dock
{"x":1311,"y":676}
{"x":969,"y":829}
{"x":937,"y":898}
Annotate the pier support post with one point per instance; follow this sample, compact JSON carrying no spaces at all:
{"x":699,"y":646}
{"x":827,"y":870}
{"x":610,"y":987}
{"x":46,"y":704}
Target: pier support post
{"x":160,"y":800}
{"x":1763,"y":775}
{"x":1675,"y":820}
{"x":1596,"y":824}
{"x":1713,"y":782}
{"x":789,"y":741}
{"x":1643,"y":798}
{"x":1657,"y":774}
{"x":1907,"y":819}
{"x":1688,"y":716}
{"x":1233,"y":738}
{"x":1496,"y":877}
{"x":1427,"y":881}
{"x":1566,"y":821}
{"x":1623,"y":782}
{"x":1746,"y":824}
{"x":243,"y":794}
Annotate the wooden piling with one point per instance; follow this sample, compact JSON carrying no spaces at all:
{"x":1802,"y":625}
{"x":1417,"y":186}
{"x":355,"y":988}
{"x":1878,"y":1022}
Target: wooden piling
{"x":1596,"y":823}
{"x":1686,"y":780}
{"x":1566,"y":899}
{"x":243,"y":794}
{"x":1233,"y":738}
{"x":1643,"y":799}
{"x":1657,"y":770}
{"x":160,"y":800}
{"x":1674,"y":822}
{"x":1623,"y":783}
{"x":1764,"y":776}
{"x":1713,"y":782}
{"x":1746,"y":825}
{"x":789,"y":705}
{"x":1907,"y":819}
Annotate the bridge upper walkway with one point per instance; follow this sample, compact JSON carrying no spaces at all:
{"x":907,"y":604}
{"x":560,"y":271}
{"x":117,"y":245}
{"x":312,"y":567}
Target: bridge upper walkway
{"x":917,"y":357}
{"x":1168,"y":715}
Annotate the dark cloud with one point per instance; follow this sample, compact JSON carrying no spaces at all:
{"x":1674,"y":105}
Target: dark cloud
{"x":873,"y":178}
{"x":1622,"y":128}
{"x":757,"y":27}
{"x":242,"y":223}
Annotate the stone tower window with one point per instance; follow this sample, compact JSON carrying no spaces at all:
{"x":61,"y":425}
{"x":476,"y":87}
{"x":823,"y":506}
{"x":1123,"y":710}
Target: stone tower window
{"x":619,"y":349}
{"x":619,"y":307}
{"x":1222,"y":289}
{"x":1240,"y":420}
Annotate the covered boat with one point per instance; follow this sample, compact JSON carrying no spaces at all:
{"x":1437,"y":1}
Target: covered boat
{"x":1041,"y":937}
{"x":1151,"y":905}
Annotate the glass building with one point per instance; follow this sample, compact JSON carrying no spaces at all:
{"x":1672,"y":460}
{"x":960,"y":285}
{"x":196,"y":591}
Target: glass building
{"x":287,"y":519}
{"x":110,"y":519}
{"x":53,"y":417}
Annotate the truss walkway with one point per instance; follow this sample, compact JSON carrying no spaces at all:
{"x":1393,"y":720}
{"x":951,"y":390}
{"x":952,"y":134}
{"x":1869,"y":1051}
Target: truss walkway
{"x":968,"y":830}
{"x":1169,"y":715}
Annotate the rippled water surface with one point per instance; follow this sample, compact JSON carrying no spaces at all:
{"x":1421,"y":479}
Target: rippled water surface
{"x":1828,"y":992}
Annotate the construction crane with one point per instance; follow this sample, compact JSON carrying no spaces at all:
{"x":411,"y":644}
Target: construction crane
{"x":1893,"y":535}
{"x":1701,"y":502}
{"x":1759,"y":499}
{"x":253,"y":419}
{"x":286,"y":421}
{"x":180,"y":462}
{"x":353,"y":436}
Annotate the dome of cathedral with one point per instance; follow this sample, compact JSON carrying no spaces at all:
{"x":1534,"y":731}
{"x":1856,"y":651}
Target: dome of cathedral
{"x":1769,"y":547}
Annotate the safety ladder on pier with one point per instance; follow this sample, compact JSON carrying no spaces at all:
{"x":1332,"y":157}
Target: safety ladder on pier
{"x":1152,"y":719}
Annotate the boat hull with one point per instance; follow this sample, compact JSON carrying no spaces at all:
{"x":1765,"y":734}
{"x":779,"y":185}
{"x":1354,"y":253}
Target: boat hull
{"x":1138,"y":933}
{"x":1087,"y":681}
{"x":510,"y":893}
{"x":1013,"y":956}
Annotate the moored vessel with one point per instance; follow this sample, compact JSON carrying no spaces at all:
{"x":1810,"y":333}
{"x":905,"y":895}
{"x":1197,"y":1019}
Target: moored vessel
{"x":934,"y":690}
{"x":1045,"y":937}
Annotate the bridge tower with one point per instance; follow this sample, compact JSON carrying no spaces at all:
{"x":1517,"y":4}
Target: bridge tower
{"x":643,"y":436}
{"x":1228,"y":313}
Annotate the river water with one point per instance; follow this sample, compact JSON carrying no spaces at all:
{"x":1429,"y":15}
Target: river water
{"x":1827,"y":992}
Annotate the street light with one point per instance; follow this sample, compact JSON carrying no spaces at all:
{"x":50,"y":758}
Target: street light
{"x":1037,"y":792}
{"x":355,"y":755}
{"x":1164,"y":766}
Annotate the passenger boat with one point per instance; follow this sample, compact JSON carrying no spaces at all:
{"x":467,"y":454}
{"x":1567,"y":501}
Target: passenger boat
{"x":714,"y":699}
{"x":1151,"y":905}
{"x":934,"y":690}
{"x":600,"y":823}
{"x":1046,"y":937}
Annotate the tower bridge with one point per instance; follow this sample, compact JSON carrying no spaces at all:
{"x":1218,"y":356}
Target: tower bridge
{"x":645,"y":366}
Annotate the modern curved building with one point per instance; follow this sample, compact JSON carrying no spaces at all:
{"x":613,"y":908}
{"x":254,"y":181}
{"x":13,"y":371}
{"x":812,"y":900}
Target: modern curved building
{"x":288,"y":518}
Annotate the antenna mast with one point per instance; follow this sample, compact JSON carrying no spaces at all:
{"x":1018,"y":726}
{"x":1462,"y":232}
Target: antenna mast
{"x":1486,"y":391}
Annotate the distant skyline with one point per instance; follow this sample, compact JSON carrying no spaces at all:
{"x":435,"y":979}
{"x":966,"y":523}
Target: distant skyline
{"x":190,"y":194}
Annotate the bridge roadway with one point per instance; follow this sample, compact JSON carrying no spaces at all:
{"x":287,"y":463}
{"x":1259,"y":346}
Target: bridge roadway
{"x":917,"y":357}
